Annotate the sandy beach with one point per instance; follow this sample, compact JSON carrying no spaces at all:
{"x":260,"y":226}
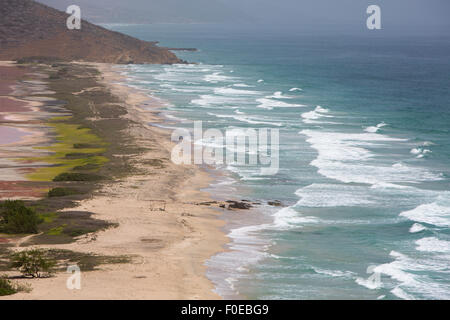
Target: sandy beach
{"x":167,"y":247}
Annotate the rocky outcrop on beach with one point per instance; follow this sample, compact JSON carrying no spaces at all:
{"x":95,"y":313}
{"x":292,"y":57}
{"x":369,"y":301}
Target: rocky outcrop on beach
{"x":30,"y":29}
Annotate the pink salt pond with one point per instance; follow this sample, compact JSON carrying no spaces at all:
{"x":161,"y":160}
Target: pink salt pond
{"x":10,"y":105}
{"x":10,"y":135}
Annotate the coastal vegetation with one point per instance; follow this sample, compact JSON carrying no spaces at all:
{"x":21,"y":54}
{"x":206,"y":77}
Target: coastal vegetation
{"x":86,"y":148}
{"x":62,"y":192}
{"x":75,"y":176}
{"x":8,"y":287}
{"x":16,"y":218}
{"x":33,"y":263}
{"x":66,"y":153}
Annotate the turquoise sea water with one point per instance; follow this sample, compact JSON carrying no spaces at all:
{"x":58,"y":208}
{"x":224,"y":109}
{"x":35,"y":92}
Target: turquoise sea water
{"x":364,"y":157}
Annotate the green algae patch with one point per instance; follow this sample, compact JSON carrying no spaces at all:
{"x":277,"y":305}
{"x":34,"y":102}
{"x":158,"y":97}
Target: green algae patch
{"x":75,"y":147}
{"x":48,"y":217}
{"x":56,"y":231}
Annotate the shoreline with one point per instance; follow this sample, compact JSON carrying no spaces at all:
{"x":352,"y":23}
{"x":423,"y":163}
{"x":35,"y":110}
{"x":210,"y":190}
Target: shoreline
{"x":200,"y":178}
{"x":168,"y":249}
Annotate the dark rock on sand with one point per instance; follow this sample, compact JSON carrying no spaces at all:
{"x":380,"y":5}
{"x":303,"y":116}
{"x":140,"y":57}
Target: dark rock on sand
{"x":238,"y":205}
{"x":275,"y":203}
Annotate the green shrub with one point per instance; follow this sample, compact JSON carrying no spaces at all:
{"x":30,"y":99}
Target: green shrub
{"x":61,"y":192}
{"x":74,"y":176}
{"x":15,"y":218}
{"x":6,"y":287}
{"x":33,"y":263}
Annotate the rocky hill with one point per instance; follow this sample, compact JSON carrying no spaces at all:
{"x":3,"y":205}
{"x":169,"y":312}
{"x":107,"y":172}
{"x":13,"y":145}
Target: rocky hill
{"x":29,"y":29}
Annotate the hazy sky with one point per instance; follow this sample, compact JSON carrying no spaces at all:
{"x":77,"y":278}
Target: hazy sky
{"x":411,"y":14}
{"x":296,"y":15}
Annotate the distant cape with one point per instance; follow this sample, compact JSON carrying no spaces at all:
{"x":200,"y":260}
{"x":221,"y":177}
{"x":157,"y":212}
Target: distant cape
{"x":30,"y":29}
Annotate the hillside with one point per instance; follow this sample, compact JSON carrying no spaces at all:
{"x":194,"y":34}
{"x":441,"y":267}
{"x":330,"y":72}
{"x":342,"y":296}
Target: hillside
{"x":28,"y":28}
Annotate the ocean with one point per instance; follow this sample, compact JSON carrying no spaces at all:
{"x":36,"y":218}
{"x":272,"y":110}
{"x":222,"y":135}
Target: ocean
{"x":364,"y":174}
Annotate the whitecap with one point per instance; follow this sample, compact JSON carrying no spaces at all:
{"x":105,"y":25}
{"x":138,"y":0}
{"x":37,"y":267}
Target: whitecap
{"x":242,"y":85}
{"x":344,"y":157}
{"x":313,"y":116}
{"x":400,"y":293}
{"x":234,"y":92}
{"x":278,"y":95}
{"x":288,"y":218}
{"x":217,"y":77}
{"x":334,"y":195}
{"x":334,"y":273}
{"x":375,"y":129}
{"x":208,"y":100}
{"x":433,"y":244}
{"x":409,"y":273}
{"x":269,"y":104}
{"x":417,"y":227}
{"x":432,"y":213}
{"x":248,"y":119}
{"x":420,"y":152}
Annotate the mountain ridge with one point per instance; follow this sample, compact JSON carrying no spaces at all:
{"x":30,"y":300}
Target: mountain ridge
{"x":29,"y":28}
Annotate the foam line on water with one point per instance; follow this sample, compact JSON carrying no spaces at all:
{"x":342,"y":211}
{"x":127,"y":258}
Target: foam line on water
{"x":411,"y":280}
{"x":346,"y":157}
{"x":435,"y":213}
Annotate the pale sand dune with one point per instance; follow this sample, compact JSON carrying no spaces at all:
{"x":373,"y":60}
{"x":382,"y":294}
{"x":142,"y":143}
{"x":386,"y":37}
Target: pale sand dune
{"x":169,"y":247}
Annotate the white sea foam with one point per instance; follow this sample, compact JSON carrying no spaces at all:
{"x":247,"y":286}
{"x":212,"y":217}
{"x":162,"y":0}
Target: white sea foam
{"x":208,"y":100}
{"x":420,"y":152}
{"x":368,"y":283}
{"x":412,"y":281}
{"x":288,"y":218}
{"x":295,"y":89}
{"x":245,"y":243}
{"x":334,"y":273}
{"x":217,"y":77}
{"x":317,"y":113}
{"x":248,"y":119}
{"x":433,"y":244}
{"x":417,"y":227}
{"x":321,"y":110}
{"x":432,"y":213}
{"x":375,"y":129}
{"x":269,"y":104}
{"x":234,"y":92}
{"x":319,"y":195}
{"x":242,"y":85}
{"x":345,"y":157}
{"x":400,"y":293}
{"x":334,"y":195}
{"x":279,"y":95}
